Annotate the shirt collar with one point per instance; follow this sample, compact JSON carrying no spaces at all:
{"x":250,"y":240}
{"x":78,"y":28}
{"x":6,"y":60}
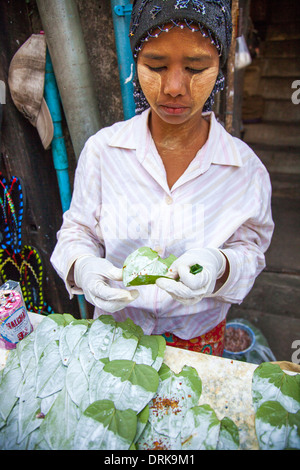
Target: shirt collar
{"x":221,"y":145}
{"x":220,"y":148}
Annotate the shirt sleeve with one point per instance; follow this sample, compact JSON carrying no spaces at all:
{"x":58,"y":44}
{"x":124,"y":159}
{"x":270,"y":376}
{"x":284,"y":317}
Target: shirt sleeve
{"x":245,"y":249}
{"x":80,"y":233}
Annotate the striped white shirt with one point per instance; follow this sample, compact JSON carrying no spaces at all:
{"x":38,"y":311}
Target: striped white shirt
{"x":122,"y":201}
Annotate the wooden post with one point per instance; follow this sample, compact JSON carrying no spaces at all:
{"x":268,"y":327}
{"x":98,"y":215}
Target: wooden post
{"x":230,"y":69}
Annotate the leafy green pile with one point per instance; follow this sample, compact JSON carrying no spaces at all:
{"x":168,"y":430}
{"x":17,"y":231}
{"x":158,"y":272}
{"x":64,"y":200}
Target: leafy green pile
{"x":276,"y":401}
{"x":65,"y":386}
{"x":102,"y":384}
{"x":81,"y":384}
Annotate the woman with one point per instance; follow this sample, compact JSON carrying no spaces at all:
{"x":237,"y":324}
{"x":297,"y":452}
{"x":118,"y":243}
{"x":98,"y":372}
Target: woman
{"x":173,"y":179}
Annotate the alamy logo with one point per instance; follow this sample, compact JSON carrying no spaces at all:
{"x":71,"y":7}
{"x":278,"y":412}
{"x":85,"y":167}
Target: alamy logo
{"x":2,"y":92}
{"x":296,"y":94}
{"x":296,"y":354}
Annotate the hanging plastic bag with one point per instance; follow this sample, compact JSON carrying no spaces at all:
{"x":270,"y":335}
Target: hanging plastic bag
{"x":242,"y":54}
{"x":261,"y":351}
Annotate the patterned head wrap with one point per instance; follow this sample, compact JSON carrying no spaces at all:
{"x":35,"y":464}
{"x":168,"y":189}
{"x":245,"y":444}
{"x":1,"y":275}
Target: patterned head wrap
{"x":211,"y":17}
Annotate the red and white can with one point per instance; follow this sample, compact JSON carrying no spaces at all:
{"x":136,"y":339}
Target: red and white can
{"x":14,"y":320}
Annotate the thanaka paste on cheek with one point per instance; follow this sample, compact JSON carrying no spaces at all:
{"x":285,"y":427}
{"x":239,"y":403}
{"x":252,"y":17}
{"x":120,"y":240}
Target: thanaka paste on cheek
{"x":149,"y":81}
{"x":202,"y":85}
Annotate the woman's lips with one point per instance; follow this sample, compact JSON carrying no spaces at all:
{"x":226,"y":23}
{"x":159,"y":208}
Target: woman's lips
{"x":173,"y":108}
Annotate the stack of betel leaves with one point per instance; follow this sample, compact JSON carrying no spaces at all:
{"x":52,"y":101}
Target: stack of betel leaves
{"x":276,"y":402}
{"x":102,"y":384}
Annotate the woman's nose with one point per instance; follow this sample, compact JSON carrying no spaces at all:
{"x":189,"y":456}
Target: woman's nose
{"x":174,"y":82}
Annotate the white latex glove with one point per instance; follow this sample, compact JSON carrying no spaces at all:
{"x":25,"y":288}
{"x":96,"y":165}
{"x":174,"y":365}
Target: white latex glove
{"x":191,"y":288}
{"x":92,"y":274}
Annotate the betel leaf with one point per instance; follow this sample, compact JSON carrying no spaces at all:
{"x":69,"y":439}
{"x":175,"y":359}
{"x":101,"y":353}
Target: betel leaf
{"x":271,"y":383}
{"x":124,"y":346}
{"x":276,"y":401}
{"x":76,"y":381}
{"x":101,"y":335}
{"x":176,"y":393}
{"x":50,"y":371}
{"x":29,"y":405}
{"x":148,"y":350}
{"x":85,"y":355}
{"x":142,"y":419}
{"x":103,"y":427}
{"x":229,"y":435}
{"x":276,"y":428}
{"x":69,"y":339}
{"x":145,"y":266}
{"x":8,"y":390}
{"x":95,"y":379}
{"x":59,"y":425}
{"x":47,"y":331}
{"x":202,"y":430}
{"x":124,"y":382}
{"x":161,"y":342}
{"x":130,"y":327}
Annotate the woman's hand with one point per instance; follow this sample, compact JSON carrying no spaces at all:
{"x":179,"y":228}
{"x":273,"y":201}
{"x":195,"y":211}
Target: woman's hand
{"x":92,"y":275}
{"x":191,"y":288}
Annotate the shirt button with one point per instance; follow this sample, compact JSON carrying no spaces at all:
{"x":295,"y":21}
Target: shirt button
{"x":169,"y":200}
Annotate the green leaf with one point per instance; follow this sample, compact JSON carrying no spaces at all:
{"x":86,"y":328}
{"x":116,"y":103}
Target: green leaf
{"x":50,"y":372}
{"x":142,"y":419}
{"x":59,"y":318}
{"x":271,"y":383}
{"x":124,"y":382}
{"x":59,"y":425}
{"x":229,"y":435}
{"x":8,"y":434}
{"x":26,"y":355}
{"x":276,"y":428}
{"x":145,"y":266}
{"x":85,"y":355}
{"x":95,"y":380}
{"x":29,"y":406}
{"x":8,"y":390}
{"x":161,"y":344}
{"x":46,"y":331}
{"x":101,"y":335}
{"x":130,"y":327}
{"x":123,"y":346}
{"x":142,"y":349}
{"x":200,"y":429}
{"x":176,"y":393}
{"x":76,"y":381}
{"x":103,"y":427}
{"x":69,"y":339}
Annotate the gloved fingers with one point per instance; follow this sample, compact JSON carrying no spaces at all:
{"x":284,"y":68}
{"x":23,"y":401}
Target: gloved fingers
{"x":193,"y":281}
{"x":178,"y":289}
{"x":115,"y":274}
{"x":108,"y":298}
{"x":104,"y":291}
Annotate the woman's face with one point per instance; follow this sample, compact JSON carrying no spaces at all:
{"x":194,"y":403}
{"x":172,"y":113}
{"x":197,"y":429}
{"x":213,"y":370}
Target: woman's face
{"x":177,"y":72}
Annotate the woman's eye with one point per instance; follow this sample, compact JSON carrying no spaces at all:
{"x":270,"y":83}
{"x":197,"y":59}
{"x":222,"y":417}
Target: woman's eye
{"x":156,"y":69}
{"x":195,"y":71}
